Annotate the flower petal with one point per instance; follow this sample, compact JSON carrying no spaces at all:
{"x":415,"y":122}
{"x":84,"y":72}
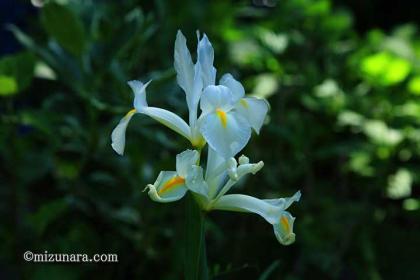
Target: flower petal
{"x":185,"y":160}
{"x":139,"y":90}
{"x":254,"y":110}
{"x":236,"y":87}
{"x":249,"y":204}
{"x":118,"y":134}
{"x":165,"y":117}
{"x":283,"y":230}
{"x":168,"y":119}
{"x":168,"y":187}
{"x":285,"y":203}
{"x":205,"y":55}
{"x":226,"y":133}
{"x":188,"y":75}
{"x":195,"y":181}
{"x":216,"y":97}
{"x":183,"y":64}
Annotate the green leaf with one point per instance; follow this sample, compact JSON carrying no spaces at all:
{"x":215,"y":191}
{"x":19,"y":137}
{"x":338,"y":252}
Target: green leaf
{"x":8,"y":85}
{"x":47,"y":214}
{"x":64,"y":26}
{"x":414,"y":85}
{"x":269,"y":271}
{"x":385,"y":68}
{"x":16,"y":72}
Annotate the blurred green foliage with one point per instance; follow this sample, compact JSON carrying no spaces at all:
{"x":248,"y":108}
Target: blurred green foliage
{"x":344,"y":128}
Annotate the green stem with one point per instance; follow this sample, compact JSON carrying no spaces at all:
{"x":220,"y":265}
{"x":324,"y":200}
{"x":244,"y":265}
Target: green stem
{"x":195,"y":264}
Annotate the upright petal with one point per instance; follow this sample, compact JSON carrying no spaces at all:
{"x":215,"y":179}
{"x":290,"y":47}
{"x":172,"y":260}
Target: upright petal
{"x":185,"y":160}
{"x":188,"y":75}
{"x":205,"y":54}
{"x":183,"y":64}
{"x":254,"y":110}
{"x":236,"y":87}
{"x":215,"y":171}
{"x":168,"y":187}
{"x":226,"y":132}
{"x":195,"y":181}
{"x":118,"y":134}
{"x":216,"y":97}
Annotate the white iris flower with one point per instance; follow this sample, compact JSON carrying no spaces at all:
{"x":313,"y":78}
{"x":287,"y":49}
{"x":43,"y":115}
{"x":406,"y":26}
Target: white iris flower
{"x":210,"y":192}
{"x":225,"y":122}
{"x":227,"y":115}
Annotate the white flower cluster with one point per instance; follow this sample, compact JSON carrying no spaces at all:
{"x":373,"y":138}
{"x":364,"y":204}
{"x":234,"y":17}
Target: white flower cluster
{"x":225,"y":123}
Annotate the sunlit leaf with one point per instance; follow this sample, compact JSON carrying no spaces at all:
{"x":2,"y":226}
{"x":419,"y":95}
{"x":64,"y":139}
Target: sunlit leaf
{"x":385,"y":69}
{"x":414,"y":85}
{"x":16,"y":72}
{"x":8,"y":85}
{"x":399,"y":184}
{"x":265,"y":85}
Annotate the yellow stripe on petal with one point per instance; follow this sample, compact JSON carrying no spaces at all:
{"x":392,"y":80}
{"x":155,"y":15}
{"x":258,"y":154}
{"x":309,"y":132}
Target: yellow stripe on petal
{"x":172,"y":183}
{"x":222,"y":116}
{"x":285,"y":224}
{"x":244,"y":103}
{"x":130,"y":113}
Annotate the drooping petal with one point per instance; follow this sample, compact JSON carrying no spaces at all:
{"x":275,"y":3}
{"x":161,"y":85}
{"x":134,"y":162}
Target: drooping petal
{"x":185,"y":160}
{"x":168,"y":187}
{"x":226,"y":133}
{"x":254,"y":110}
{"x":195,"y":181}
{"x":285,"y":203}
{"x":165,"y":117}
{"x":283,"y":230}
{"x":139,"y":90}
{"x":216,"y":97}
{"x":184,"y":66}
{"x":118,"y":134}
{"x":169,"y":119}
{"x":236,"y":87}
{"x":249,"y":204}
{"x":205,"y":55}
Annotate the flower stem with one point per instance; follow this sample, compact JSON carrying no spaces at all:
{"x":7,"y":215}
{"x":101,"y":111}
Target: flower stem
{"x":195,"y":264}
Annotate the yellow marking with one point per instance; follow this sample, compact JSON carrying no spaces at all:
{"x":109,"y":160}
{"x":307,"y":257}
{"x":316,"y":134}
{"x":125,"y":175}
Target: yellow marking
{"x":285,"y":224}
{"x":244,"y":103}
{"x":130,"y":113}
{"x":222,"y":116}
{"x":172,"y":183}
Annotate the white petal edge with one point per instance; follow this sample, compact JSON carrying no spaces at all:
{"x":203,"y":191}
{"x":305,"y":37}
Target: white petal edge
{"x":139,"y":90}
{"x":118,"y":134}
{"x":183,"y":64}
{"x":185,"y":160}
{"x":205,"y":54}
{"x":216,"y":97}
{"x":254,"y":110}
{"x":235,"y":86}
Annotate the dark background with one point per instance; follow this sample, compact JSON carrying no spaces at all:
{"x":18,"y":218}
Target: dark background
{"x":340,"y":77}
